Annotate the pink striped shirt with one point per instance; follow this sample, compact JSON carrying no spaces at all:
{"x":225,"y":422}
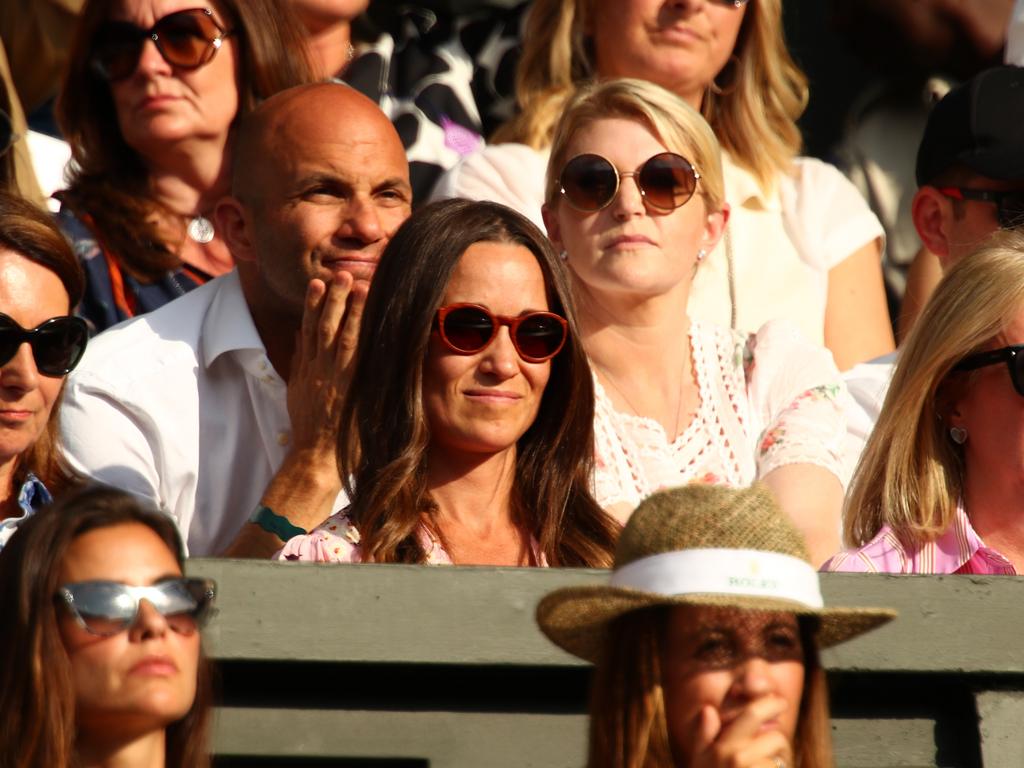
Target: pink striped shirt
{"x":958,"y":550}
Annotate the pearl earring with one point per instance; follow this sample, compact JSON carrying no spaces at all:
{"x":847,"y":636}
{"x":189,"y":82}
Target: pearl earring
{"x":701,"y":254}
{"x":958,"y":435}
{"x":563,"y":255}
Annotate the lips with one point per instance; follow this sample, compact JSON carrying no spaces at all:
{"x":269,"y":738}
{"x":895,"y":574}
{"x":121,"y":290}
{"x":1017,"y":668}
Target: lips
{"x":14,"y":416}
{"x":497,"y":396}
{"x":154,"y":666}
{"x":627,"y":240}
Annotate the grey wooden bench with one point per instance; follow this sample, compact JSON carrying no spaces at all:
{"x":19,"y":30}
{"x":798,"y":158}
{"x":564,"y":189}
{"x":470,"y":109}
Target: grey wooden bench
{"x":402,"y":666}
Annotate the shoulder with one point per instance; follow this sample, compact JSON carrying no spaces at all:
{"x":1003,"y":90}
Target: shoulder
{"x":512,"y":174}
{"x":826,"y":215}
{"x":156,"y":345}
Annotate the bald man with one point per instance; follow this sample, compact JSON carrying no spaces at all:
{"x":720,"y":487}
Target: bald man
{"x":222,"y":406}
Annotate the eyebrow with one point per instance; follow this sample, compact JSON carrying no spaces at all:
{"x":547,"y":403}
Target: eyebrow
{"x":394,"y":181}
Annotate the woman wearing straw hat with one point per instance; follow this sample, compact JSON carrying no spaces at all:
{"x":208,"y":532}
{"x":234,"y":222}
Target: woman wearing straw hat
{"x":706,"y":638}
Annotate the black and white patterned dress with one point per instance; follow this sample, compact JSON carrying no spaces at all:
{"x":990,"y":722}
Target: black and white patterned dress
{"x":445,"y":80}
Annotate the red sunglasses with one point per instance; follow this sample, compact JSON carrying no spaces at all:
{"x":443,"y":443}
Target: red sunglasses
{"x":469,"y":328}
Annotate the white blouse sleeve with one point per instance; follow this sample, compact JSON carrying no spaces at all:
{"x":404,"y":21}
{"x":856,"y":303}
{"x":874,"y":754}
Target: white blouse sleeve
{"x":799,"y":400}
{"x":825,"y":216}
{"x":511,"y":174}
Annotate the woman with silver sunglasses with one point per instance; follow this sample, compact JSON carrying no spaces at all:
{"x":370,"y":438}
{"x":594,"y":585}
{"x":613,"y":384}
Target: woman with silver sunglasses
{"x":40,"y":343}
{"x":152,"y":96}
{"x":105,"y":659}
{"x":635,"y":203}
{"x":938,"y":486}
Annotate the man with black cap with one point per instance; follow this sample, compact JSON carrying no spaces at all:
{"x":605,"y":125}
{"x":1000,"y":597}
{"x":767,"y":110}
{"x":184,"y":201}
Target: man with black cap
{"x":970,"y":165}
{"x":970,"y":177}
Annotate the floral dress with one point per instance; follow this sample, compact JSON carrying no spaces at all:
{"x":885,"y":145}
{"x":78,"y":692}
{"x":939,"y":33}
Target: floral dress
{"x":767,"y":399}
{"x":336,"y":540}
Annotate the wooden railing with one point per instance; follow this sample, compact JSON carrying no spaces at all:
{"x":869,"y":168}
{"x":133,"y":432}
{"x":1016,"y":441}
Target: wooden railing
{"x":391,"y":666}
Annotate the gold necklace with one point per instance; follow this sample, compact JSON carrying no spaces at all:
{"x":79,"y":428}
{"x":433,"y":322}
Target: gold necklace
{"x":636,"y":411}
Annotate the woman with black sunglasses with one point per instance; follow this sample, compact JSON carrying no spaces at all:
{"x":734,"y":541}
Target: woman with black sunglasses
{"x":153,"y":93}
{"x":635,"y":203}
{"x":938,"y":487}
{"x":40,"y":283}
{"x":105,"y":664}
{"x":467,"y":433}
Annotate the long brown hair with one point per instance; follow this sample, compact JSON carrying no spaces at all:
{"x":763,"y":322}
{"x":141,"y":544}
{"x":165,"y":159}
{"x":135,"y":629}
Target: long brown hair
{"x":753,"y":113}
{"x":30,"y":232}
{"x":108,"y":183}
{"x":384,"y":437}
{"x":36,"y":688}
{"x":628,"y":727}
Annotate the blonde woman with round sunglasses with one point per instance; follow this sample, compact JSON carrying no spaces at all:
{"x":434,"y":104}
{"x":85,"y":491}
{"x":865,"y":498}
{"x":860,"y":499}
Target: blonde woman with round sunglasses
{"x":635,"y":203}
{"x":802,"y":243}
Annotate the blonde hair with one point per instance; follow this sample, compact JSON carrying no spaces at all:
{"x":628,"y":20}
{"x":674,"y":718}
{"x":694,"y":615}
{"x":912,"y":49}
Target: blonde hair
{"x":754,"y":115}
{"x":910,"y":476}
{"x":676,"y":124}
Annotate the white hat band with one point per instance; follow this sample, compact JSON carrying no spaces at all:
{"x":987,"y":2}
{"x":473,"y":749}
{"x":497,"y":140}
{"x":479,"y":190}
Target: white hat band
{"x":747,"y":572}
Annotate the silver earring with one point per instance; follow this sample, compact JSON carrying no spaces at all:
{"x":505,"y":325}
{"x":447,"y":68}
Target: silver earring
{"x":701,"y":254}
{"x":958,"y":435}
{"x":563,"y":255}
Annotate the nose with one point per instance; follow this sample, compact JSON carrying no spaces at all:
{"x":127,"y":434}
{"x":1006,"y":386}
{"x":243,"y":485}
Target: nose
{"x":151,"y":61}
{"x":20,"y":372}
{"x":500,"y":359}
{"x":753,"y":678}
{"x":629,"y":201}
{"x":149,"y":623}
{"x":361,"y":221}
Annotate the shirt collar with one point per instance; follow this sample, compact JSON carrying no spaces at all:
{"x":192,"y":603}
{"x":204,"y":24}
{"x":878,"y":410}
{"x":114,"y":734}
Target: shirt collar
{"x":742,"y":188}
{"x":228,"y":325}
{"x":33,"y":495}
{"x":958,"y":544}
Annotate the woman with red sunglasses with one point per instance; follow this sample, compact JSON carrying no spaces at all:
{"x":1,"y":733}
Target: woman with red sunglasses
{"x":105,"y":664}
{"x":467,"y":433}
{"x":938,"y":487}
{"x":40,"y":283}
{"x":635,"y":204}
{"x":153,"y":93}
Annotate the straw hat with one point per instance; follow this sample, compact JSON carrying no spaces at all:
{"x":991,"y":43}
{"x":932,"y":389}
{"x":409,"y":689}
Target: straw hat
{"x":702,"y":545}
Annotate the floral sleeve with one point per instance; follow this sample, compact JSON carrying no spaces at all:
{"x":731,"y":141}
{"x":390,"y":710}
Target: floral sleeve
{"x":335,"y":541}
{"x":799,"y":399}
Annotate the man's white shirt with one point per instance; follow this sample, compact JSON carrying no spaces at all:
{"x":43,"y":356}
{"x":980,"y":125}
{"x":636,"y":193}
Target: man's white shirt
{"x":183,"y":407}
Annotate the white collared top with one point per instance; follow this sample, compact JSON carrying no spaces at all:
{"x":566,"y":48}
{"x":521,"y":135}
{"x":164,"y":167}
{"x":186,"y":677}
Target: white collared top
{"x":183,"y":407}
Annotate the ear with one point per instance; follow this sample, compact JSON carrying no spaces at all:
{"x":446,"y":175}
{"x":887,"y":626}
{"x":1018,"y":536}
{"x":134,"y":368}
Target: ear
{"x":932,"y":213}
{"x":551,"y":224}
{"x":947,"y":400}
{"x":714,"y":227}
{"x":232,"y":222}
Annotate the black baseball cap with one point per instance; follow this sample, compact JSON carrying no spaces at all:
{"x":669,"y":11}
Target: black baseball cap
{"x":980,"y":125}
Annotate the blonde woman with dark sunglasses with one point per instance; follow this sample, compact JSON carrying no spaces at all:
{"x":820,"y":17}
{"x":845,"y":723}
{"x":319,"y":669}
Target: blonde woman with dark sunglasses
{"x":937,"y":489}
{"x":802,"y":243}
{"x":635,"y":203}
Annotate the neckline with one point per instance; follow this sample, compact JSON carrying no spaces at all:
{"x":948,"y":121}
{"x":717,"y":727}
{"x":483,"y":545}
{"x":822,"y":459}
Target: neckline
{"x":700,"y":416}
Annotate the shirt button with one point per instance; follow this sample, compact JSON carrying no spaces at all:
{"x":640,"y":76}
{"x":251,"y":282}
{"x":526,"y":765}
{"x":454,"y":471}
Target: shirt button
{"x":283,"y":438}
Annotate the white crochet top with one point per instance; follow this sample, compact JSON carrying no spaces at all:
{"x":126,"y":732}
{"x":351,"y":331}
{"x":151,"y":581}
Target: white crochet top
{"x":766,"y":399}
